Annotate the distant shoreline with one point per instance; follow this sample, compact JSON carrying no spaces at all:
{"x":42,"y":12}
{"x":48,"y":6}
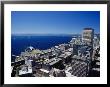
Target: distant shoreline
{"x":44,"y":34}
{"x":48,"y":34}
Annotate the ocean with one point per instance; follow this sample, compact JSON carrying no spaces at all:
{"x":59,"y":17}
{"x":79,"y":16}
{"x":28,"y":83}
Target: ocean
{"x":20,"y":43}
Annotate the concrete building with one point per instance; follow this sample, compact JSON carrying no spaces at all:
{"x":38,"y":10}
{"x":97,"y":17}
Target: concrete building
{"x":66,"y":57}
{"x":25,"y":71}
{"x":79,"y":68}
{"x":87,"y":36}
{"x":57,"y":73}
{"x":75,"y":49}
{"x":54,"y":62}
{"x":41,"y":73}
{"x":85,"y":51}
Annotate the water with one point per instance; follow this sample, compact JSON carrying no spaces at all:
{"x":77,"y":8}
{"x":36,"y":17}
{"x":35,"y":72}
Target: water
{"x":20,"y":43}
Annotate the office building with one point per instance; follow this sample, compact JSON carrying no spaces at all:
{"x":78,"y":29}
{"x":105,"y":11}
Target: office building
{"x":87,"y":36}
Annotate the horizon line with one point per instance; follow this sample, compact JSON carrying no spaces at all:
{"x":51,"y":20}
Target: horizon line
{"x":49,"y":34}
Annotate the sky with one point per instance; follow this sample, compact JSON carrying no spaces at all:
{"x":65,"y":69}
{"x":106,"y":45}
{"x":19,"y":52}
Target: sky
{"x":54,"y":22}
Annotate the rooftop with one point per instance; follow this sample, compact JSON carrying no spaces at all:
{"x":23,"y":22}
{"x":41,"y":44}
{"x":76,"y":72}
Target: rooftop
{"x":25,"y":70}
{"x":52,"y":61}
{"x":46,"y":71}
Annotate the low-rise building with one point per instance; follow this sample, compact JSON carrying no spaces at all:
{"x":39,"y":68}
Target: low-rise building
{"x":50,"y":63}
{"x":25,"y":71}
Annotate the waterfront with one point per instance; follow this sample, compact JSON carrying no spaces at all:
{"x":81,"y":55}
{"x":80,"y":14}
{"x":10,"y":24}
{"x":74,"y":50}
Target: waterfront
{"x":20,"y":43}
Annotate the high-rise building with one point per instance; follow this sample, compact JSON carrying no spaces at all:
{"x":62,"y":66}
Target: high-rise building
{"x":75,"y":49}
{"x":79,"y":68}
{"x":87,"y":36}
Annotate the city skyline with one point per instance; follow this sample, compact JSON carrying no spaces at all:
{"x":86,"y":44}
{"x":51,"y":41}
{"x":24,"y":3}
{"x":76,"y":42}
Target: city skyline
{"x":54,"y":22}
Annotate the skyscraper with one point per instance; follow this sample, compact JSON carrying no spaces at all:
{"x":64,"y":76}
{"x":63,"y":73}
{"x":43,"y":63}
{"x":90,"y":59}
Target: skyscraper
{"x":87,"y":36}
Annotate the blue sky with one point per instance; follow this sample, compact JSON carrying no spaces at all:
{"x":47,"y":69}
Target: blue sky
{"x":54,"y":22}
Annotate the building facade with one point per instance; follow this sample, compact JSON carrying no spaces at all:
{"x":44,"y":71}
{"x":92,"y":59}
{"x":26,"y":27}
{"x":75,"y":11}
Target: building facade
{"x":87,"y":36}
